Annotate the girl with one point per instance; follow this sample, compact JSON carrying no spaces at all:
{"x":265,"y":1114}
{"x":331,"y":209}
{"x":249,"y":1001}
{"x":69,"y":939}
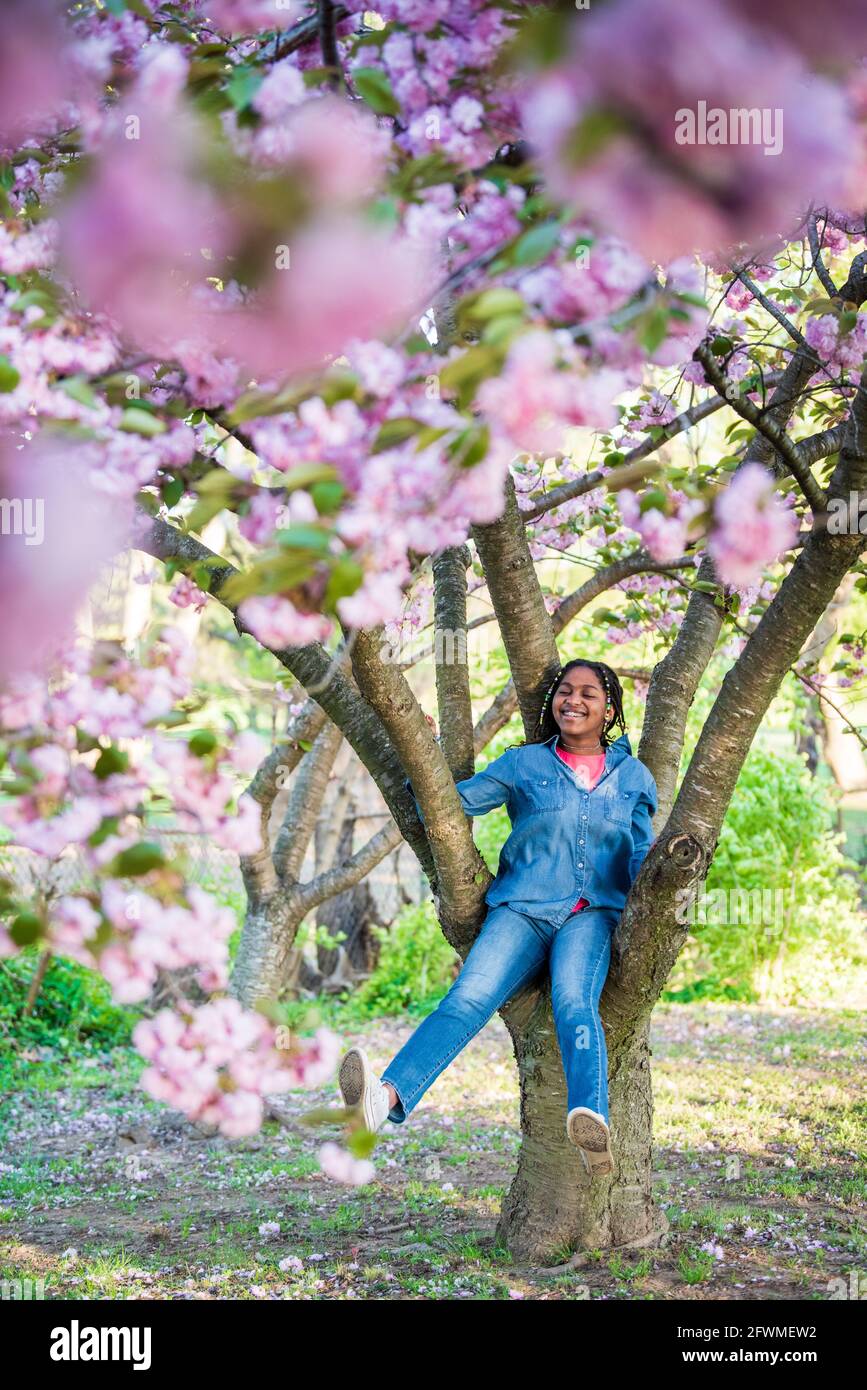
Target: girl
{"x":581,"y":809}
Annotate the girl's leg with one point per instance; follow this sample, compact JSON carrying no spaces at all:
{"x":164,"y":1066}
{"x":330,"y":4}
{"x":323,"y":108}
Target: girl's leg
{"x":580,"y":955}
{"x":508,"y":952}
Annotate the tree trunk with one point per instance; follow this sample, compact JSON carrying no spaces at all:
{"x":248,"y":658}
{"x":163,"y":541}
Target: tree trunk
{"x":262,"y":963}
{"x":552,"y":1207}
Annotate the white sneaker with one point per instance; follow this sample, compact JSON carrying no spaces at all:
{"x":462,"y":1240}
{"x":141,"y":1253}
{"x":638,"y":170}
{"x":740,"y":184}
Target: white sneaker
{"x":592,"y":1137}
{"x":359,"y":1087}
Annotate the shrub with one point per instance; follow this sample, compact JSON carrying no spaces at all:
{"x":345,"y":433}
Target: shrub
{"x":778,"y":837}
{"x":73,"y":1007}
{"x":415,"y":967}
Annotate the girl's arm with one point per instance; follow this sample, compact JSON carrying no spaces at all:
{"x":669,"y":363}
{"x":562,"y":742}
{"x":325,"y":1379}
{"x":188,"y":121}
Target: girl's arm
{"x":485,"y":790}
{"x":642,"y":826}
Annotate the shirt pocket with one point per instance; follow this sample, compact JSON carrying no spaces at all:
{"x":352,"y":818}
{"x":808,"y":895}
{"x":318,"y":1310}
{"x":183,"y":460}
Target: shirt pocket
{"x":537,"y":795}
{"x":619,"y":804}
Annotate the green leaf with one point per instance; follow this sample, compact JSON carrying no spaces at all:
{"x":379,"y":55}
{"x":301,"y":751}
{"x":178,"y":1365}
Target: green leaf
{"x":36,"y":299}
{"x":173,"y":491}
{"x":423,"y":172}
{"x":138,"y":859}
{"x":654,"y":497}
{"x":463,"y":374}
{"x":652,"y":328}
{"x":26,"y":929}
{"x":202,"y":742}
{"x":592,"y":134}
{"x":396,"y":431}
{"x":136,"y":420}
{"x":491,"y":303}
{"x":243,"y":86}
{"x":536,"y":243}
{"x":346,"y":576}
{"x":204,"y":511}
{"x":821,"y":306}
{"x":9,"y":374}
{"x":80,"y":390}
{"x":304,"y":536}
{"x":374,"y":87}
{"x":688,"y":298}
{"x":271,"y":575}
{"x":470,"y":446}
{"x":327,"y":497}
{"x":111,"y":760}
{"x":503,"y":329}
{"x":107,"y":826}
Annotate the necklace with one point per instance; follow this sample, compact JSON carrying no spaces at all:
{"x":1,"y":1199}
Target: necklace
{"x":580,"y":752}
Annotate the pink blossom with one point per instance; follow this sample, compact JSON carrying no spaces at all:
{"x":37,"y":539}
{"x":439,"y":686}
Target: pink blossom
{"x":282,"y":90}
{"x":186,"y":594}
{"x":338,"y":149}
{"x":134,"y":233}
{"x":379,"y":598}
{"x":242,"y":833}
{"x":339,"y":1164}
{"x":752,"y":527}
{"x":533,"y":402}
{"x":247,"y":750}
{"x":738,"y":297}
{"x":163,"y":74}
{"x":262,"y":519}
{"x":57,"y":536}
{"x":694,"y":195}
{"x":250,"y":16}
{"x":277,"y":623}
{"x":324,"y":291}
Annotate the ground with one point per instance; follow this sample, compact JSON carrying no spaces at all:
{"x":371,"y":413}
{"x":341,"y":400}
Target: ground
{"x":759,"y":1164}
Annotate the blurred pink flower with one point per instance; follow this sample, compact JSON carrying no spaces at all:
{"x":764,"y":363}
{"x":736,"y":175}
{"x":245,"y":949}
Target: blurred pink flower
{"x":665,"y":191}
{"x":339,"y":1164}
{"x":277,"y":623}
{"x":752,"y":526}
{"x":55,"y":533}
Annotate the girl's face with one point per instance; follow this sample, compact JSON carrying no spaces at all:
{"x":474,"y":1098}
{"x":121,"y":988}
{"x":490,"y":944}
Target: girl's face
{"x":578,"y":704}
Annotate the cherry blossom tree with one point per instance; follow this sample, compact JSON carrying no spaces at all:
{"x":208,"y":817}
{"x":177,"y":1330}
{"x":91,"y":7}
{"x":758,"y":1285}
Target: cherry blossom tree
{"x":357,"y":281}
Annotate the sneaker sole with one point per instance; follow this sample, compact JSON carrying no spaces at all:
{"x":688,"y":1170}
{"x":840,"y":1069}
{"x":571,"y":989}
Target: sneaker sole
{"x":590,"y":1138}
{"x":351,"y":1077}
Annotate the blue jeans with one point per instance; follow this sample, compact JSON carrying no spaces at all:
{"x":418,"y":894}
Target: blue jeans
{"x":509,"y":951}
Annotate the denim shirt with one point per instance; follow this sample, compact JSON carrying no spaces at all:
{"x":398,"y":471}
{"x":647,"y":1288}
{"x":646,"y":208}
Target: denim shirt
{"x":566,"y":842}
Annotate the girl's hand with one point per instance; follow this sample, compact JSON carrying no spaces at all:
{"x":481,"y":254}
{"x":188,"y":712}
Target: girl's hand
{"x":430,"y":719}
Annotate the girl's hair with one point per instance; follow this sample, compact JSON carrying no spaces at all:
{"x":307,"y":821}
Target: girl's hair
{"x":546,"y":724}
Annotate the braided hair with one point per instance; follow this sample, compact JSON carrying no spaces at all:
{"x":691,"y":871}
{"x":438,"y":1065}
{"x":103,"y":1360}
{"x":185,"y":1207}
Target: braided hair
{"x":546,"y":724}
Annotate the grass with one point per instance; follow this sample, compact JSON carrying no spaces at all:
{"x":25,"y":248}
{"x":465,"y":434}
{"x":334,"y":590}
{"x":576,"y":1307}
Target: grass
{"x":759,"y":1165}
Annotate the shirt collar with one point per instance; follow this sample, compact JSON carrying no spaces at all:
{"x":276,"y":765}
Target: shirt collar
{"x":622,"y":742}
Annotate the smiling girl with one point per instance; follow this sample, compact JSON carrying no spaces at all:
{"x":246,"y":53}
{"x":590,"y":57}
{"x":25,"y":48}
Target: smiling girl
{"x":581,"y":809}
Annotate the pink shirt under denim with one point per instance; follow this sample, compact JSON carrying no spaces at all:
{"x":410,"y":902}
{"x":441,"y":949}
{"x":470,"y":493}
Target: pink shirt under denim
{"x":588,"y":768}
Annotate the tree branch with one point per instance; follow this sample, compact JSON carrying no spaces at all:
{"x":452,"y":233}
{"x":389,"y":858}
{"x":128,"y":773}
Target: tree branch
{"x":451,"y":667}
{"x":313,"y":668}
{"x":816,"y":253}
{"x":519,"y":604}
{"x":765,"y":424}
{"x":305,"y":801}
{"x":547,"y":501}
